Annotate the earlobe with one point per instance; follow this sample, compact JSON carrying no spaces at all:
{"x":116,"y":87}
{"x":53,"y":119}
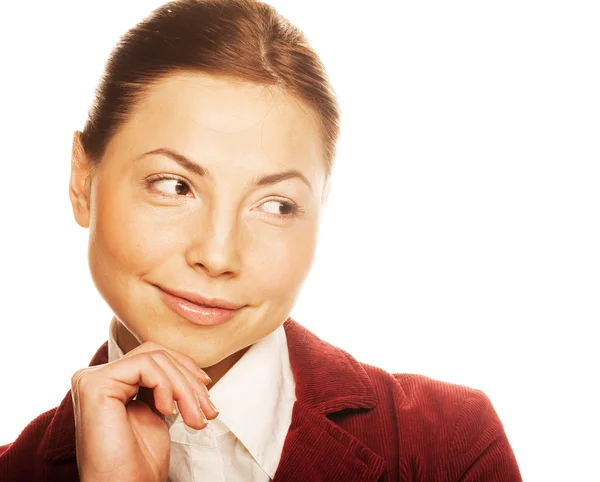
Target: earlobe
{"x":80,"y":183}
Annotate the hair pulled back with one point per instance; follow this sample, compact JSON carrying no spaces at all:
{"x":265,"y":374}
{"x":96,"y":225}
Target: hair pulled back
{"x":242,"y":39}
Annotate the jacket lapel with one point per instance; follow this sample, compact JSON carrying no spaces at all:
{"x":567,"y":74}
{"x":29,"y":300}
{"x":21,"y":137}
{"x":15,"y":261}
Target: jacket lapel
{"x":328,"y":380}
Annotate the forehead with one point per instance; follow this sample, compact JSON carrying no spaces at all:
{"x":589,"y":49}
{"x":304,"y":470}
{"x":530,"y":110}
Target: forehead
{"x":215,"y":118}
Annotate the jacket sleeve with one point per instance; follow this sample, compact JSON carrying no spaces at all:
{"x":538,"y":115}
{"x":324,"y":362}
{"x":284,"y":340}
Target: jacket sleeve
{"x":22,"y":459}
{"x":479,"y":450}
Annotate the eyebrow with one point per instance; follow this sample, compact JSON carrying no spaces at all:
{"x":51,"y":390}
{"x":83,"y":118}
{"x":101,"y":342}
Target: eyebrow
{"x":180,"y":159}
{"x":194,"y":167}
{"x":269,"y":179}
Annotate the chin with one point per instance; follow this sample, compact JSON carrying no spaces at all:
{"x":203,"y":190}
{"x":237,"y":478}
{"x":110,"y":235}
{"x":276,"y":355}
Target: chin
{"x":214,"y":359}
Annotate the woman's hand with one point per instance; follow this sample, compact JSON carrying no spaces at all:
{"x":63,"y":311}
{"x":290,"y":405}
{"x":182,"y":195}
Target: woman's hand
{"x":120,"y":439}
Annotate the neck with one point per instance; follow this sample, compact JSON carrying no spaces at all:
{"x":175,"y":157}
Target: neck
{"x":127,"y":342}
{"x":218,"y":371}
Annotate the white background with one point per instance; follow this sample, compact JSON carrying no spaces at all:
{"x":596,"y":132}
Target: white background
{"x":462,"y":236}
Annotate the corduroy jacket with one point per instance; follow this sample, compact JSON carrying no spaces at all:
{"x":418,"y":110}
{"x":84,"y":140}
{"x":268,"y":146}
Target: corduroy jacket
{"x":351,"y":422}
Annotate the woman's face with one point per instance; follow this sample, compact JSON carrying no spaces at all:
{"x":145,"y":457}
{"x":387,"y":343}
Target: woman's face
{"x":211,"y":188}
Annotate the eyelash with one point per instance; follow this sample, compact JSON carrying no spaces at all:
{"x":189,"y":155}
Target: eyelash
{"x":296,"y":210}
{"x":151,"y":181}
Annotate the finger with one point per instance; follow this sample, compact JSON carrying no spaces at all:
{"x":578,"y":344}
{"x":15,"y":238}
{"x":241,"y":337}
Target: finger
{"x":190,"y":369}
{"x":185,"y":392}
{"x":120,"y":381}
{"x":199,"y":387}
{"x":185,"y":360}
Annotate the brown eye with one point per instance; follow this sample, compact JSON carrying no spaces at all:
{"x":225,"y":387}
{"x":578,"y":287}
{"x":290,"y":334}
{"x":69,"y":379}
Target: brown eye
{"x":182,"y":188}
{"x":171,"y":186}
{"x":279,"y":208}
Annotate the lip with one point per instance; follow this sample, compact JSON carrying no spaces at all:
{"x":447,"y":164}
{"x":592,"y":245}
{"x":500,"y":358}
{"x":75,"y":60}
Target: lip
{"x":201,"y":300}
{"x":198,"y":309}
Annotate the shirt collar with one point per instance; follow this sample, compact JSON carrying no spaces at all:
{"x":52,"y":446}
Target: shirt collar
{"x":263,"y":381}
{"x":114,"y":351}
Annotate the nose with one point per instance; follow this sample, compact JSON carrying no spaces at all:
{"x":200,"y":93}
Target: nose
{"x":214,"y":245}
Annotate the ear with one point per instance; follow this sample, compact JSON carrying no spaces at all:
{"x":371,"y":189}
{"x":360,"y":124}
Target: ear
{"x":80,"y":183}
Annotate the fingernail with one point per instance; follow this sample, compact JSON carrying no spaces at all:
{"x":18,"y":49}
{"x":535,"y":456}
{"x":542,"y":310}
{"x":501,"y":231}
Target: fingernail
{"x":212,"y":405}
{"x":174,"y":408}
{"x":200,"y":408}
{"x":205,"y":378}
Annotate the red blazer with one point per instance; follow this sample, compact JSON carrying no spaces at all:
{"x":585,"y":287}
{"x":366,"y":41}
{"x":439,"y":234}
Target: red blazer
{"x":351,"y":422}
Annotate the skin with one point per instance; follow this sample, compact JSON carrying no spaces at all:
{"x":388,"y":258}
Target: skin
{"x":218,"y":234}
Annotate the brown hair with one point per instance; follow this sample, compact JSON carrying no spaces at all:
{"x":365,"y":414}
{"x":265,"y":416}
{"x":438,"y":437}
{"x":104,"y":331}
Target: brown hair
{"x":243,"y":39}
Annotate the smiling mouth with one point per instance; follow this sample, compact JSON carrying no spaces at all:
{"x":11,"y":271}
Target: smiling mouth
{"x":202,"y":300}
{"x":198,"y":309}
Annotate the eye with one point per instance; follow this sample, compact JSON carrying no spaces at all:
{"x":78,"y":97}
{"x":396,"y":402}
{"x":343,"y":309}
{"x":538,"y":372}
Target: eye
{"x":280,"y":208}
{"x":169,"y":185}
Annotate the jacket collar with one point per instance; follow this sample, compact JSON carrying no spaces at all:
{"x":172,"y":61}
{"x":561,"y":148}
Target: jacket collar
{"x":335,"y":382}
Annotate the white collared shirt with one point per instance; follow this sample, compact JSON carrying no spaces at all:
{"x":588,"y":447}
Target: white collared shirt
{"x":255,"y":400}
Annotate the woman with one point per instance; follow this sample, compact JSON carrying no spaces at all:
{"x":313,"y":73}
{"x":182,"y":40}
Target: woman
{"x":201,"y":173}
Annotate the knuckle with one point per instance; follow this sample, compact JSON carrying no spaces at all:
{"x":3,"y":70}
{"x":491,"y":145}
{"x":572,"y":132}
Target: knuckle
{"x":161,"y":353}
{"x":151,"y":345}
{"x":78,"y":378}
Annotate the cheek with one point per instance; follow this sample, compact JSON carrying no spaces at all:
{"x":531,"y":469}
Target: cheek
{"x":281,"y":263}
{"x":123,"y":239}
